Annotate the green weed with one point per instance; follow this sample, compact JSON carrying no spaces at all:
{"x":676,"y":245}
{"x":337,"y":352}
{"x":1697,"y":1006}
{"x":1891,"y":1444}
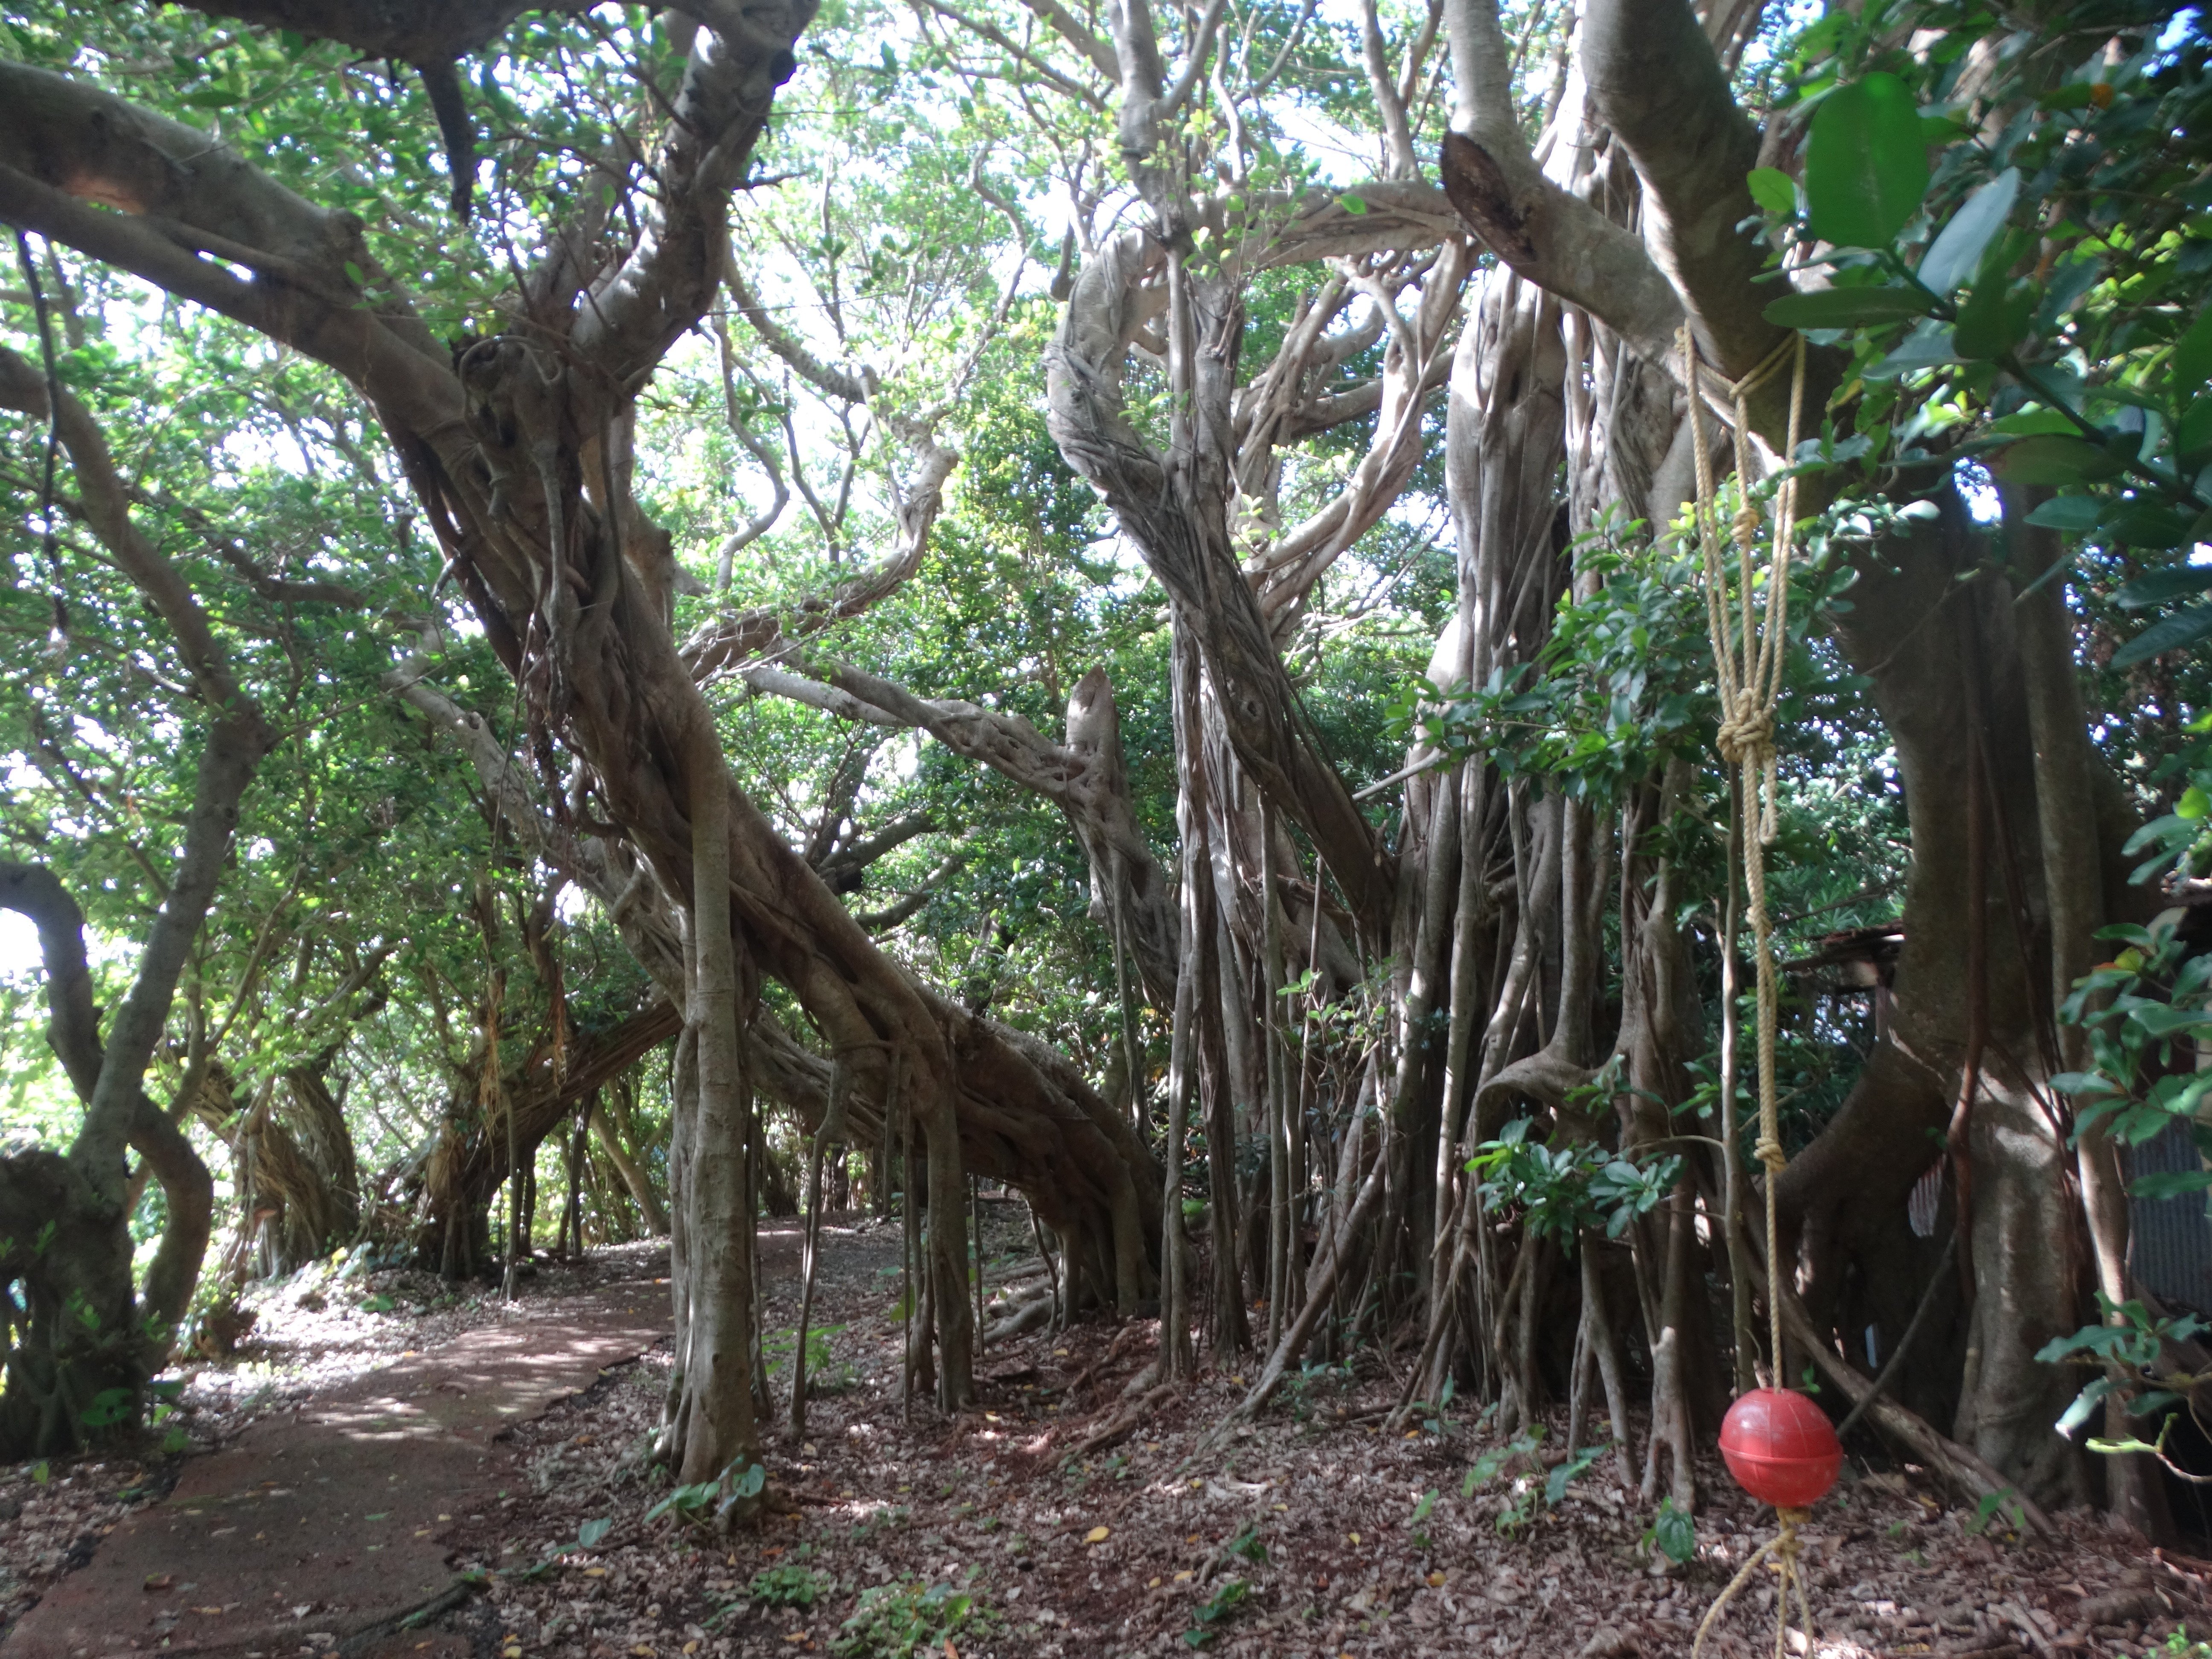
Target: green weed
{"x":1213,"y":1614}
{"x":905,"y":1617}
{"x":788,"y":1586}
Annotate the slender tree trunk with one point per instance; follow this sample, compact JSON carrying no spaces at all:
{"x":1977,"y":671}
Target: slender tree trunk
{"x":1280,"y":1239}
{"x":715,"y":1337}
{"x":616,"y":1141}
{"x":1178,"y":1361}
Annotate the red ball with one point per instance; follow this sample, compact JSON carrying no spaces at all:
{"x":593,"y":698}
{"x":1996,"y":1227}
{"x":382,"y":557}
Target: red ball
{"x":1781,"y":1448}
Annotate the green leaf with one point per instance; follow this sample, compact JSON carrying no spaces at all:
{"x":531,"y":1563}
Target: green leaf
{"x":2053,"y":459}
{"x":1774,"y":191}
{"x":2074,"y":514}
{"x":2170,"y":1183}
{"x":2149,"y":524}
{"x":2192,"y":353}
{"x":1866,"y":163}
{"x":1847,"y":307}
{"x":1929,"y":344}
{"x":2160,"y":1021}
{"x":2192,"y":433}
{"x":1995,"y":317}
{"x":1351,"y":204}
{"x":1956,"y":254}
{"x":107,"y":1407}
{"x":2185,"y":628}
{"x":695,"y":1497}
{"x":2082,"y":1083}
{"x":2163,"y":584}
{"x":592,"y":1531}
{"x":1675,"y":1532}
{"x":2029,"y":422}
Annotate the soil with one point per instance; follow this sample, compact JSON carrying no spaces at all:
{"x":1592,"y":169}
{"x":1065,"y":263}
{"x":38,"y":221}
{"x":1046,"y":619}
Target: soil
{"x":333,"y":1459}
{"x":891,"y":1531}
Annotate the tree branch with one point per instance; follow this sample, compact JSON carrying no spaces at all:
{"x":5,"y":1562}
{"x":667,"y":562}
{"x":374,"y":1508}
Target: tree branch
{"x":855,"y":856}
{"x":826,"y":378}
{"x":1065,"y":24}
{"x":910,"y":905}
{"x":1397,"y":131}
{"x":73,"y":1031}
{"x":1654,"y":79}
{"x":640,"y":308}
{"x":237,"y":739}
{"x":1085,"y":778}
{"x":1013,"y":49}
{"x":723,"y":645}
{"x":1189,"y":551}
{"x":1551,"y":236}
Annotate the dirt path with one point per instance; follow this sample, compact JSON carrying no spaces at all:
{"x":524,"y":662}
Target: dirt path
{"x":324,"y":1529}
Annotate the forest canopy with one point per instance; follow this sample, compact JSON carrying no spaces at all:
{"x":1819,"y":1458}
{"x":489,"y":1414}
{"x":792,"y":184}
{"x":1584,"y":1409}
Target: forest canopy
{"x":618,"y":613}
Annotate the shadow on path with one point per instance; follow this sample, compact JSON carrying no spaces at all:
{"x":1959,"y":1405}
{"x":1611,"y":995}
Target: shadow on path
{"x":322,"y":1531}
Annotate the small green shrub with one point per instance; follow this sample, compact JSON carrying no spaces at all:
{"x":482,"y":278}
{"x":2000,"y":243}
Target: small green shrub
{"x":1673,"y":1532}
{"x":788,"y":1586}
{"x":904,"y":1618}
{"x":825,"y":1375}
{"x":1224,"y":1605}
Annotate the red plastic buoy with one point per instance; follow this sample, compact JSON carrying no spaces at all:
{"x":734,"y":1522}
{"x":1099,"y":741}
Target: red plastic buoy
{"x":1781,"y":1448}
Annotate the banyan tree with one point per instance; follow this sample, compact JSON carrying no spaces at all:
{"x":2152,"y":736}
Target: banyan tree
{"x":1534,"y":285}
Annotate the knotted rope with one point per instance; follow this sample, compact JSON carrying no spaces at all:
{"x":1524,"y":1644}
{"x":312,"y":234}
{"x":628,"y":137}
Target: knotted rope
{"x":1748,"y":672}
{"x":1785,"y":1549}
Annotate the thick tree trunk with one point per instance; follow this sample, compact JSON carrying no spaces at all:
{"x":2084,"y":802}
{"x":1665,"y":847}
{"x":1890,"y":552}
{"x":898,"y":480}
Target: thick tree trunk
{"x":2074,"y":868}
{"x":1920,"y":634}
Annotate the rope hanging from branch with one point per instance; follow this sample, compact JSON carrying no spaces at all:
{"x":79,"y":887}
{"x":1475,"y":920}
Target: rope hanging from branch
{"x":1748,"y":652}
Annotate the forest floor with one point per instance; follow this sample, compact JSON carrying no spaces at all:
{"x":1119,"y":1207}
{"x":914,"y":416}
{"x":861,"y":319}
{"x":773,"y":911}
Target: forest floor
{"x":1309,"y":1533}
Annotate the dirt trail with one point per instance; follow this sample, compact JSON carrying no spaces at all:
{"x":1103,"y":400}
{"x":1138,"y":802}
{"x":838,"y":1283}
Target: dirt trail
{"x":323,"y":1530}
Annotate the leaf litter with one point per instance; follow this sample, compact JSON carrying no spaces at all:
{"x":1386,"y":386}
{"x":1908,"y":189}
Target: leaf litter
{"x":1309,"y":1532}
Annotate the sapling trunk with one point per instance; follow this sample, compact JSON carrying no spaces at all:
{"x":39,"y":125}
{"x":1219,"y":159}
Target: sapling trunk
{"x":1271,"y":1036}
{"x":833,"y":1122}
{"x":1605,"y":1351}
